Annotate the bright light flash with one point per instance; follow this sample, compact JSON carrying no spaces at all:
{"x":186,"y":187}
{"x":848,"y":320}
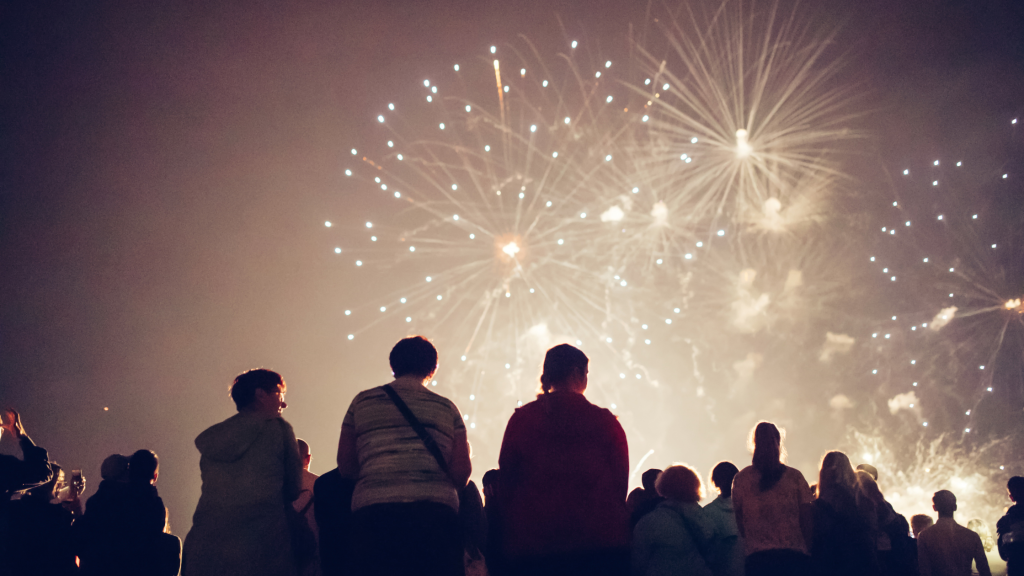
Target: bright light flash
{"x":511,"y":249}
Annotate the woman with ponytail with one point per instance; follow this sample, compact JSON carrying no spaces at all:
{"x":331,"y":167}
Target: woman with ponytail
{"x":564,"y":476}
{"x":771,"y":501}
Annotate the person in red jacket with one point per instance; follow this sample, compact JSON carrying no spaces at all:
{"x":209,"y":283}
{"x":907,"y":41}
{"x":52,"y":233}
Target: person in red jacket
{"x":564,"y":475}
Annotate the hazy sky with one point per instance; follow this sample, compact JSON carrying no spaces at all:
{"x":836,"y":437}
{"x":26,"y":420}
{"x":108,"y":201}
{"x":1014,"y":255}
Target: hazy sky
{"x":165,"y":169}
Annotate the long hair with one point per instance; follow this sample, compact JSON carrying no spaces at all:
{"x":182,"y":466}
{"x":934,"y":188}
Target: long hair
{"x":837,"y":482}
{"x":769,"y":454}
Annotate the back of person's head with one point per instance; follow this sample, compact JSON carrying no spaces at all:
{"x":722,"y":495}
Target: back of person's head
{"x":837,"y":481}
{"x":413,"y":356}
{"x":868,"y":488}
{"x":243,"y":390}
{"x":560,"y":363}
{"x":1015,"y":487}
{"x":919,"y":522}
{"x":766,"y":442}
{"x":681,"y":483}
{"x":143,"y":467}
{"x":115,"y":468}
{"x":722,"y":475}
{"x":305,"y":456}
{"x":869,"y":469}
{"x":944,"y":502}
{"x":648,"y":478}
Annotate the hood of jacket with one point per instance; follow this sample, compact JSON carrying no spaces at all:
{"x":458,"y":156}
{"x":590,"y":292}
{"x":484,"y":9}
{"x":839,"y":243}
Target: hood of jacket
{"x":231,"y":439}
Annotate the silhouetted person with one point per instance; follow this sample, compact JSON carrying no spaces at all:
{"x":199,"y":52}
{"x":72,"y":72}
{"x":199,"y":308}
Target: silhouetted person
{"x":869,"y":469}
{"x":676,"y":537}
{"x":728,"y":557}
{"x":947,"y":548}
{"x":98,"y":534}
{"x":333,"y":495}
{"x":1010,"y":529}
{"x":33,"y":469}
{"x":644,"y":499}
{"x":842,"y":542}
{"x":406,"y":500}
{"x":122,"y":532}
{"x":38,"y":534}
{"x":251,"y":472}
{"x":893,"y":544}
{"x":305,"y":504}
{"x":770,"y":500}
{"x":493,"y":512}
{"x":918,"y":522}
{"x":474,"y":525}
{"x":564,"y":476}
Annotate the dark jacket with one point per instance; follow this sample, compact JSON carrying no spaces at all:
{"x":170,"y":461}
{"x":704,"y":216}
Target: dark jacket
{"x":122,"y":530}
{"x":17,"y":474}
{"x":39,"y":539}
{"x":1010,"y":529}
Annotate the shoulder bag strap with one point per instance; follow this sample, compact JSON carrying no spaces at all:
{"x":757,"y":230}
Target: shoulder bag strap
{"x":428,"y":440}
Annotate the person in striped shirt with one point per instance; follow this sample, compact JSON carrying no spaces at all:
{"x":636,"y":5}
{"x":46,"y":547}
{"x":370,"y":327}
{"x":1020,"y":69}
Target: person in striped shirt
{"x":405,"y":505}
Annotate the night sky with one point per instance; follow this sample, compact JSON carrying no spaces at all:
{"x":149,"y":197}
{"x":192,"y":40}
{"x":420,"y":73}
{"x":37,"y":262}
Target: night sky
{"x":165,"y":170}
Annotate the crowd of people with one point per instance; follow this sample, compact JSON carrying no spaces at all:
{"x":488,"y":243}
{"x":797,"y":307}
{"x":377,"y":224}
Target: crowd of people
{"x":400,"y":501}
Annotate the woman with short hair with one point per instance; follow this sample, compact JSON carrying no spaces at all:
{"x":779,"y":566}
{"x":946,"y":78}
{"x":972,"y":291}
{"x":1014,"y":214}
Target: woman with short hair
{"x":405,"y":503}
{"x":251,"y":472}
{"x":770,"y":501}
{"x":677,"y":537}
{"x":564,"y":475}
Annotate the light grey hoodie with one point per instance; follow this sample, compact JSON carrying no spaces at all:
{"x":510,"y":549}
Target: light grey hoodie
{"x":251,"y":471}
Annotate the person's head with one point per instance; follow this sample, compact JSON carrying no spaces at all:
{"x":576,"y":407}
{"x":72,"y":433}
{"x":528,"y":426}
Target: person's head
{"x":1015,"y":488}
{"x":868,"y":488}
{"x":769,"y":455}
{"x":681,"y":483}
{"x":836,"y":479}
{"x":919,"y":522}
{"x":143,"y":467}
{"x":305,"y":456}
{"x":490,"y":482}
{"x":414,"y":356}
{"x":944,"y":502}
{"x":261,"y":391}
{"x":115,"y":468}
{"x":648,"y":478}
{"x":722,"y":475}
{"x":565,"y":370}
{"x":869,"y":469}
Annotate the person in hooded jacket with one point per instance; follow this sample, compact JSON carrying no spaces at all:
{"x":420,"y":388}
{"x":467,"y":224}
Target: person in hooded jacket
{"x":251,"y":471}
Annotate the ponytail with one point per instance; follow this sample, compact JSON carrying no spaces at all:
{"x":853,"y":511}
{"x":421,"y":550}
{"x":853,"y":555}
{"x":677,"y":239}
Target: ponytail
{"x":768,"y":454}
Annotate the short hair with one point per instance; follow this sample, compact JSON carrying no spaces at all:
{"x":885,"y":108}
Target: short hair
{"x":919,"y":522}
{"x":142,"y":466}
{"x":870,"y":470}
{"x":945,"y":502}
{"x":559,"y":364}
{"x":1015,"y":486}
{"x":414,"y":355}
{"x":304,"y":450}
{"x":680,"y":482}
{"x":115,"y":468}
{"x":648,"y":478}
{"x":243,"y":390}
{"x":722,"y":475}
